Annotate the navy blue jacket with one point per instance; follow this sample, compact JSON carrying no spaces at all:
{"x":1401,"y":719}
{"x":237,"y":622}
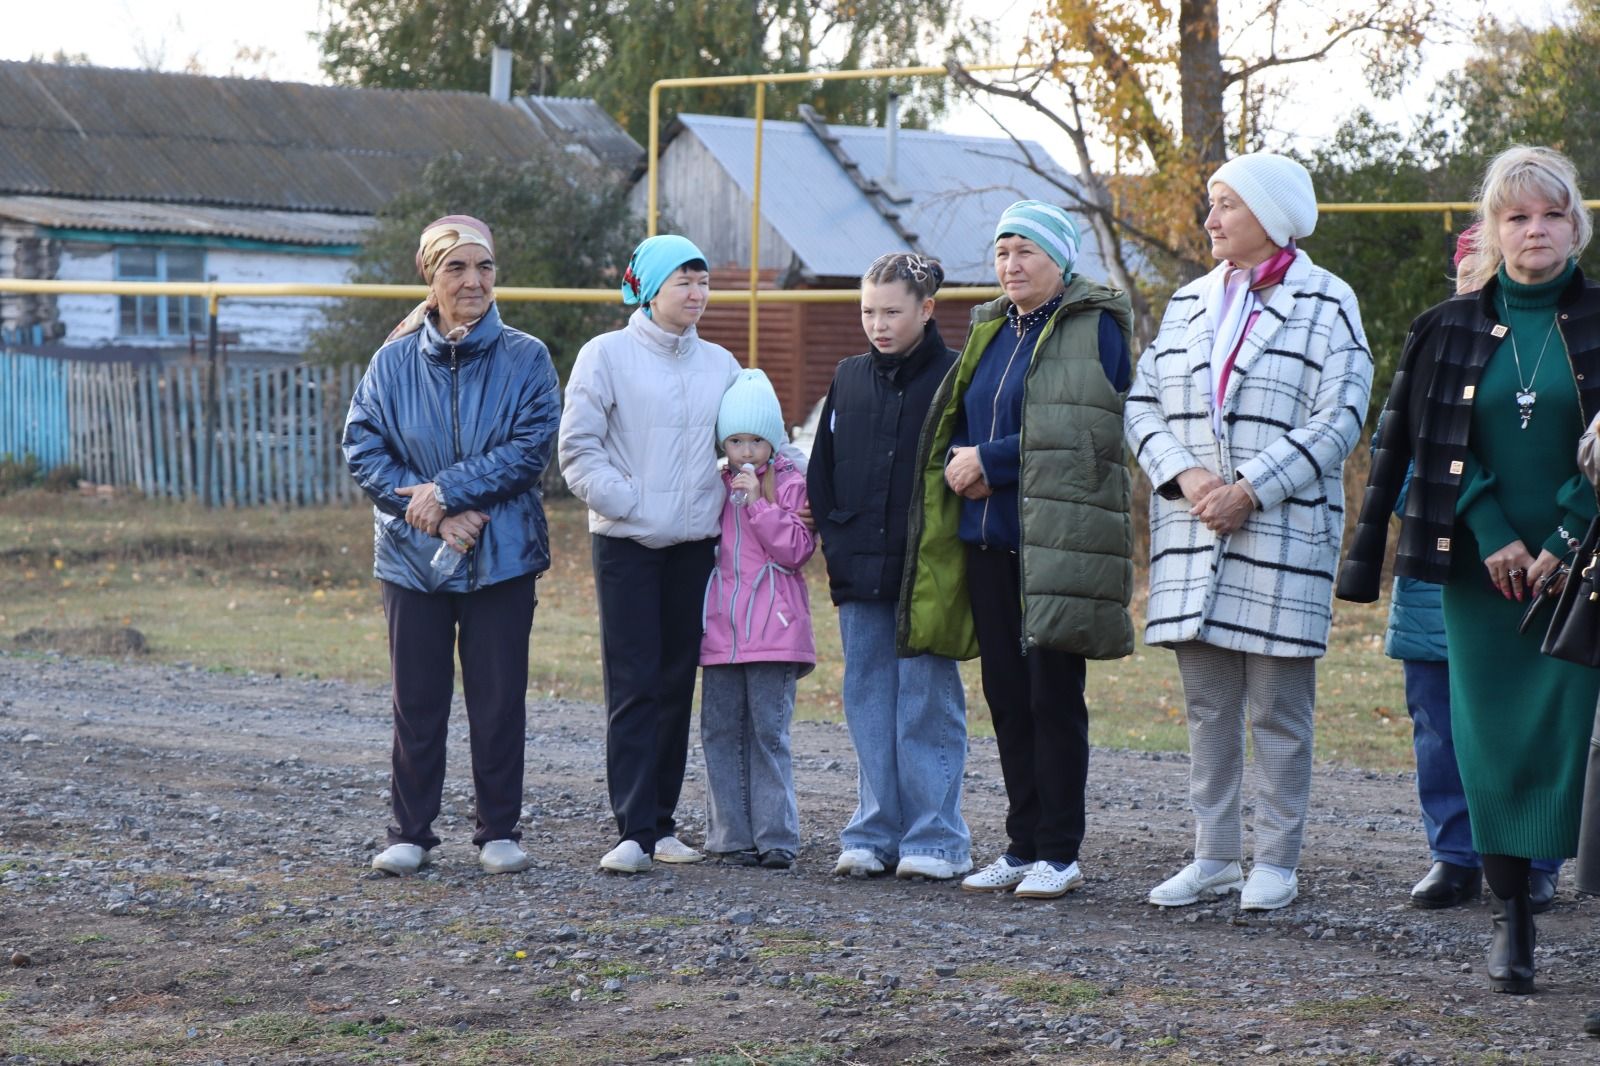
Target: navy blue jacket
{"x":992,"y":419}
{"x":478,"y":419}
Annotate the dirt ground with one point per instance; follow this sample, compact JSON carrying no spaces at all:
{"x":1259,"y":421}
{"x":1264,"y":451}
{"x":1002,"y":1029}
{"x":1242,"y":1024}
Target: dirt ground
{"x":183,"y":878}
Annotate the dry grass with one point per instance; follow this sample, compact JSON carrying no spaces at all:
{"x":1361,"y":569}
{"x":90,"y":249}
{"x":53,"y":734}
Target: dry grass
{"x":291,"y":593}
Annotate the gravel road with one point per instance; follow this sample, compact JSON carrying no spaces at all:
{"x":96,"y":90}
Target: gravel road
{"x":183,"y":878}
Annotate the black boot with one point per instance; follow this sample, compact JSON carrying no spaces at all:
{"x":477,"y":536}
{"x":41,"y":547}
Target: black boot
{"x":1447,"y":885}
{"x":1511,"y":944}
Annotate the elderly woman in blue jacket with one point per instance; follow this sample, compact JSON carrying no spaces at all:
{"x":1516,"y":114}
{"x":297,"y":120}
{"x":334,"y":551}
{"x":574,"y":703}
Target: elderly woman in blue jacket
{"x":448,"y":434}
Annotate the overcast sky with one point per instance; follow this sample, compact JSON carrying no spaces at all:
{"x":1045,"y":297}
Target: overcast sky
{"x":172,"y":34}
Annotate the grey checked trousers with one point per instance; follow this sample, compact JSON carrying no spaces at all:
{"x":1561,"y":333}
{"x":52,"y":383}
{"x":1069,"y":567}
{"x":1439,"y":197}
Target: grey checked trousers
{"x":1276,"y":696}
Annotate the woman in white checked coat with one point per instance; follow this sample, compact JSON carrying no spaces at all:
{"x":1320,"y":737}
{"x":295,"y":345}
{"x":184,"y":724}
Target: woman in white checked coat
{"x":1242,"y":413}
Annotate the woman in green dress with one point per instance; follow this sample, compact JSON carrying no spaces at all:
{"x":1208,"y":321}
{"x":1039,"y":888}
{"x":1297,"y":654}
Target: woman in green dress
{"x":1494,"y":390}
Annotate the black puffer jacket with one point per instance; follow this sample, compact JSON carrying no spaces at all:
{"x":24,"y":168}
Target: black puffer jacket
{"x":1427,"y":420}
{"x":864,"y":461}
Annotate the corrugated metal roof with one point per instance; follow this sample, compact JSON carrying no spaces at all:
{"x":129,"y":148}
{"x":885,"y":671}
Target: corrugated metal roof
{"x":100,"y":133}
{"x":958,"y":186}
{"x":580,"y":120}
{"x":289,"y":227}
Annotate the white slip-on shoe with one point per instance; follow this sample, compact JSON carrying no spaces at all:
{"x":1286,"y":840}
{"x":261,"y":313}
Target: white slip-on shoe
{"x":931,"y":867}
{"x":671,"y":849}
{"x":402,"y":859}
{"x":997,"y":876}
{"x":857,"y":862}
{"x":1266,"y":891}
{"x":503,"y":857}
{"x":1189,"y":885}
{"x":1044,"y":881}
{"x":626,"y":858}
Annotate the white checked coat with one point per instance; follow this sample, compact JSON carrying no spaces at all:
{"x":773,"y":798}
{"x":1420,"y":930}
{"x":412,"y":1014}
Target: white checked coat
{"x":1295,"y":404}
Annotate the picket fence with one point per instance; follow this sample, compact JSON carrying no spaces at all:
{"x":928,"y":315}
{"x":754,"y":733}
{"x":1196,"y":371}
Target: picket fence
{"x":273,"y":431}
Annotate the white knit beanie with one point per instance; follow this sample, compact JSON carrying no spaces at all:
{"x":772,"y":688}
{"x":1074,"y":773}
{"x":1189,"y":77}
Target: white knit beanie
{"x":751,"y":406}
{"x":1276,"y":189}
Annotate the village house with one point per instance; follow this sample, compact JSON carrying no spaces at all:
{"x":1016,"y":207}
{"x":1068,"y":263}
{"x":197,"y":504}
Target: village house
{"x":138,"y":175}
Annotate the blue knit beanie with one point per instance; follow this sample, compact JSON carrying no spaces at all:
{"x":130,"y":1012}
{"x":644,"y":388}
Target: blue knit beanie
{"x":653,"y":263}
{"x":1045,"y":225}
{"x":750,"y":406}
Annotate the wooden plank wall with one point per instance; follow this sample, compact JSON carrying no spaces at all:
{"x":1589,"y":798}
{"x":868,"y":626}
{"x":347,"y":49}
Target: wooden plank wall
{"x":275,"y":434}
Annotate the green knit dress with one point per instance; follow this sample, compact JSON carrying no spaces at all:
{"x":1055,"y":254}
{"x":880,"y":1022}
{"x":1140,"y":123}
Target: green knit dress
{"x":1521,"y":720}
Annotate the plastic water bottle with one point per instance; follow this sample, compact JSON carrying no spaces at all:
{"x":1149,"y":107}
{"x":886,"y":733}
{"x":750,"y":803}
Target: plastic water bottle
{"x":447,"y":560}
{"x":739,"y":497}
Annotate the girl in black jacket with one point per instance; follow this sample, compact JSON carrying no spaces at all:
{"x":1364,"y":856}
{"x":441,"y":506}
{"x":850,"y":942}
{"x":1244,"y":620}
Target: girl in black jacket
{"x":907,"y":717}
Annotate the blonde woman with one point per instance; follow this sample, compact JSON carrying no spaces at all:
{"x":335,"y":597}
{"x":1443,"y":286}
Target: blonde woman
{"x":1493,"y":390}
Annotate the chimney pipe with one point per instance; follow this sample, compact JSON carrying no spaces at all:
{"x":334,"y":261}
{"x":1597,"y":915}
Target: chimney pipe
{"x":500,"y":74}
{"x":891,"y":153}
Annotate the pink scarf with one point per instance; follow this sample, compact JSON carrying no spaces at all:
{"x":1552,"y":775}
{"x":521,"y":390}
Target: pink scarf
{"x":1233,"y":310}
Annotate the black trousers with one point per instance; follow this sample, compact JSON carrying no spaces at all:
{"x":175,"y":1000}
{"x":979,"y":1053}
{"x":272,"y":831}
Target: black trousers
{"x":1041,"y":723}
{"x":490,"y":627}
{"x":650,"y":603}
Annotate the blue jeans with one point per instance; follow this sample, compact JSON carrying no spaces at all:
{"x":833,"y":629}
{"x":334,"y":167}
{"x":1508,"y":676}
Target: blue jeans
{"x":908,"y":722}
{"x":1444,"y":805}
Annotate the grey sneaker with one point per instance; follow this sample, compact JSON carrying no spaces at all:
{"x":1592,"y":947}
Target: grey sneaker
{"x":398,"y":860}
{"x":626,"y":858}
{"x":503,"y":857}
{"x":1266,"y":891}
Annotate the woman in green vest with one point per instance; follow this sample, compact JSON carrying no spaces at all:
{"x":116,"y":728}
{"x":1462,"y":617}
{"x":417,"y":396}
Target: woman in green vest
{"x":1020,"y":543}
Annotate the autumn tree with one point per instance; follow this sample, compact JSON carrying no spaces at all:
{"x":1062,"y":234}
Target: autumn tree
{"x":1151,"y":82}
{"x":613,"y":50}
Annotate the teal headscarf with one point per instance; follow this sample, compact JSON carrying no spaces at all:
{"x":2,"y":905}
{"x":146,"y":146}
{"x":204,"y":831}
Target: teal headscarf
{"x":653,"y":263}
{"x":1045,"y":225}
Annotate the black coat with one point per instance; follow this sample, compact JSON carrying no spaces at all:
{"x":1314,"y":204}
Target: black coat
{"x":864,"y":461}
{"x":1427,"y":421}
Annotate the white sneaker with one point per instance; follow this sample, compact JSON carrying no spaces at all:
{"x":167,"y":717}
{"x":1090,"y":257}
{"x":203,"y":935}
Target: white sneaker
{"x":1189,"y":885}
{"x":857,"y":862}
{"x":934,"y":869}
{"x":402,"y":859}
{"x":996,"y":877}
{"x":626,"y":858}
{"x":1266,"y":891}
{"x":671,"y":849}
{"x":503,"y":857}
{"x":1046,"y":882}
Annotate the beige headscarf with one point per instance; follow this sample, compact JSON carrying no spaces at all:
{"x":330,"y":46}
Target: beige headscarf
{"x":439,"y":239}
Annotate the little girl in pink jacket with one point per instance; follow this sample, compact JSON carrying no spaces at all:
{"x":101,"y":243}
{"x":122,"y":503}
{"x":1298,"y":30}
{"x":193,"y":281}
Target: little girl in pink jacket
{"x":757,"y":641}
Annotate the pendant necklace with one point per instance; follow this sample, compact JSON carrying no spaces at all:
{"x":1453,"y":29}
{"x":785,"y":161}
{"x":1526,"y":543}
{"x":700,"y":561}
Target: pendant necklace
{"x":1526,"y":396}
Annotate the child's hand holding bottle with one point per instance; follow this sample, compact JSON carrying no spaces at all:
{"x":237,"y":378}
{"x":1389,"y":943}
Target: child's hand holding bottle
{"x":744,"y":485}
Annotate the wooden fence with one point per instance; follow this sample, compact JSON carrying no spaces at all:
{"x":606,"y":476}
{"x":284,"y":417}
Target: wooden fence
{"x":33,"y":409}
{"x":274,"y":431}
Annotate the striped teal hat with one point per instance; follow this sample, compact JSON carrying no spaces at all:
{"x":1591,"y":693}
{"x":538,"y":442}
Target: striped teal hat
{"x":1045,"y":225}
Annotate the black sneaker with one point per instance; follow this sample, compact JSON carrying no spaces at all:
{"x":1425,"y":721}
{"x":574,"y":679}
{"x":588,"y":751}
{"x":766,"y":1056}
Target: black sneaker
{"x":777,"y":859}
{"x":747,"y":857}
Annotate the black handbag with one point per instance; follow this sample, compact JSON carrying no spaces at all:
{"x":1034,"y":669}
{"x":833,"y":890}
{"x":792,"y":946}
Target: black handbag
{"x":1574,"y":633}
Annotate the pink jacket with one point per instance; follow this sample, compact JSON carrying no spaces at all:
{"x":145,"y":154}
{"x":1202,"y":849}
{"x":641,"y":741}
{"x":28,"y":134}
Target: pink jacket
{"x":756,"y":605}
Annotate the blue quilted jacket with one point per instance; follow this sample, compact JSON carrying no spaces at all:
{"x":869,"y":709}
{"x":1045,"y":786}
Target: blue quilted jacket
{"x":478,"y":419}
{"x":1416,"y":611}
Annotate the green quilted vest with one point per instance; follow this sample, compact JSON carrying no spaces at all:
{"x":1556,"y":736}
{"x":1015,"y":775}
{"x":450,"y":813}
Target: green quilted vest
{"x":1076,"y":494}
